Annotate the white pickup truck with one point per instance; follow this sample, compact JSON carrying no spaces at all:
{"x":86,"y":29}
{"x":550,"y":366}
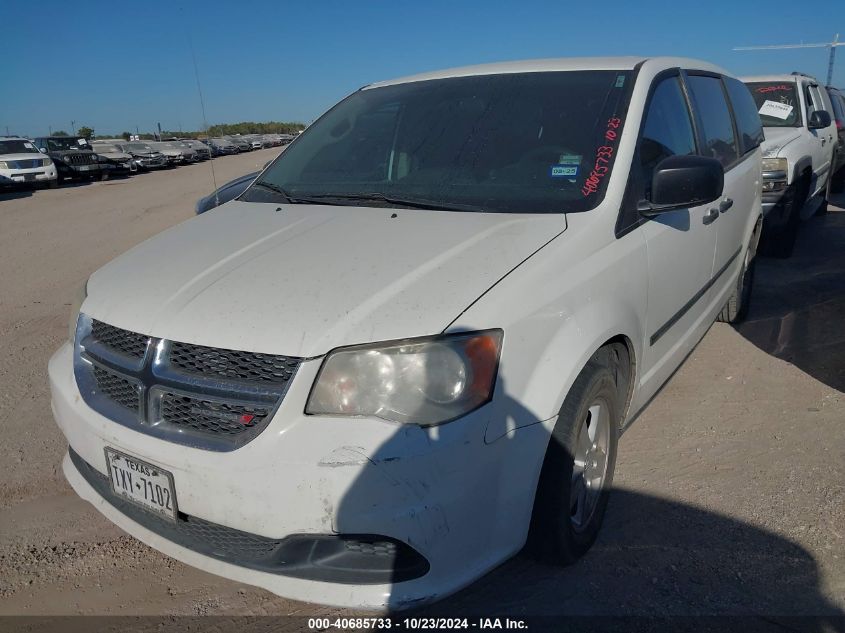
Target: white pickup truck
{"x":798,"y":154}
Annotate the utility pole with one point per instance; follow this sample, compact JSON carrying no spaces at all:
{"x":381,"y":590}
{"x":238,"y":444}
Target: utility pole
{"x":73,"y":127}
{"x":831,"y":45}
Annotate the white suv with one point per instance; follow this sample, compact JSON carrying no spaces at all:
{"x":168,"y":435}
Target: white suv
{"x":413,"y":342}
{"x":22,"y":163}
{"x":798,"y":153}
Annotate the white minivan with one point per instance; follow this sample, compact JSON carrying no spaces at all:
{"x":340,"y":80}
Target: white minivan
{"x":409,"y":348}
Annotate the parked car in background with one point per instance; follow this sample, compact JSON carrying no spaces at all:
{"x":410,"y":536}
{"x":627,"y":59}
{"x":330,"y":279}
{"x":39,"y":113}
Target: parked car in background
{"x":242,"y":144}
{"x":408,"y":349}
{"x":114,"y":160}
{"x":176,"y":152}
{"x":202,"y":150}
{"x":22,"y":163}
{"x":222,"y":146}
{"x":798,"y":153}
{"x":224,"y":194}
{"x":72,"y":156}
{"x":271,"y":140}
{"x":837,"y":100}
{"x":144,"y":155}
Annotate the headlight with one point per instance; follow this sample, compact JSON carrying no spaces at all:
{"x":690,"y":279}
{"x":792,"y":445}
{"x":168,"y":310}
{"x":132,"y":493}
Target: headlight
{"x":775,"y":164}
{"x":46,"y":162}
{"x":417,"y":381}
{"x":75,"y":307}
{"x":4,"y":164}
{"x":95,"y":158}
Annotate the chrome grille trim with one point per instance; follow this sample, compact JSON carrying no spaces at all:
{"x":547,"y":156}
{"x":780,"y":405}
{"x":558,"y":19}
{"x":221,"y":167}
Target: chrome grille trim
{"x":214,"y":399}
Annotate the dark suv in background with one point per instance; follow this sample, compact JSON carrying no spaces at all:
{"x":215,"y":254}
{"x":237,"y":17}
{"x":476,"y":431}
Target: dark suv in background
{"x":837,"y":98}
{"x":72,"y":156}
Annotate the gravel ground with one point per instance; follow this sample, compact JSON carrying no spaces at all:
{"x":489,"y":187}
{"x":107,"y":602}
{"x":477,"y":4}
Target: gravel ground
{"x":730,"y":488}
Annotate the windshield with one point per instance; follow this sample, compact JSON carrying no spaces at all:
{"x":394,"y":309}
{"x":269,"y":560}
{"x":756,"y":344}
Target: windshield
{"x":521,"y":143}
{"x":64,"y":143}
{"x":139,"y":147}
{"x":777,"y":102}
{"x":17,"y":147}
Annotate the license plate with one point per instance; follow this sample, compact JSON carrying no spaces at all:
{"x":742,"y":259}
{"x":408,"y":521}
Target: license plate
{"x":141,"y":483}
{"x":84,"y":167}
{"x":29,"y":177}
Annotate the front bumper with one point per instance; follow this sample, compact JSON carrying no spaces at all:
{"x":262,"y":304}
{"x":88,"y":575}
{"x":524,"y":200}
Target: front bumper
{"x":150,"y":163}
{"x":443,"y":491}
{"x":79,"y":171}
{"x":11,"y":177}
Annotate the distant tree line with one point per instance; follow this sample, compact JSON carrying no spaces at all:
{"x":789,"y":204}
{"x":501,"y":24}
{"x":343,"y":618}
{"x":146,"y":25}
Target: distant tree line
{"x":250,"y":127}
{"x":223,"y":129}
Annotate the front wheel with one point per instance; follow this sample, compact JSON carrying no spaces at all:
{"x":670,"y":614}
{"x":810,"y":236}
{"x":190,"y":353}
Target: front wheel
{"x":780,"y":241}
{"x":577,"y":470}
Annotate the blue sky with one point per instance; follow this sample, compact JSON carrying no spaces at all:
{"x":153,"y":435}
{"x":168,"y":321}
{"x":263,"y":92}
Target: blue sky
{"x":114,"y":65}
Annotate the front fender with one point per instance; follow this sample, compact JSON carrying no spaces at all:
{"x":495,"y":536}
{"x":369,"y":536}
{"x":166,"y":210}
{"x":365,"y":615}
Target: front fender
{"x":556,"y":310}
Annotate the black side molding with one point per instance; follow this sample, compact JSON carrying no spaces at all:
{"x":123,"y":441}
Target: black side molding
{"x":689,"y":304}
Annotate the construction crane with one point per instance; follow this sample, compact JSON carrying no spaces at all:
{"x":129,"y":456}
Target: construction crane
{"x":831,"y":45}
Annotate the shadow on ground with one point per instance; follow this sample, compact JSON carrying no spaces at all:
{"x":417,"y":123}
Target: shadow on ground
{"x":659,"y":558}
{"x":798,"y":304}
{"x":15,"y":194}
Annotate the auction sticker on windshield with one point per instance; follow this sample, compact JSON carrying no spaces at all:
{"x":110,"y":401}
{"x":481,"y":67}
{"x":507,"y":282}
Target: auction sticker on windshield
{"x":775,"y":109}
{"x":141,"y":483}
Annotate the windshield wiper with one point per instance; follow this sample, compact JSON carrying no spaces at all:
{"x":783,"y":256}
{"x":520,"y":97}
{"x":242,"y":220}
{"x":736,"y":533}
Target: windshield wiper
{"x":271,"y":186}
{"x":415,"y":203}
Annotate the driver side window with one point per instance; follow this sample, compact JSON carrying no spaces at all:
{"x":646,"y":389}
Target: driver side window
{"x":667,"y":131}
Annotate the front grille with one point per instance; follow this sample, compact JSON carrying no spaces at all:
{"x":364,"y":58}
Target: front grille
{"x":351,"y":559}
{"x":206,"y":397}
{"x":118,"y":389}
{"x":246,"y":366}
{"x":26,"y":163}
{"x":119,"y":340}
{"x":208,"y":416}
{"x":78,"y":159}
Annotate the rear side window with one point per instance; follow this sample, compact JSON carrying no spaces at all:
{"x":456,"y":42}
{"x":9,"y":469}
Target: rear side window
{"x":667,"y":130}
{"x":748,"y":123}
{"x":837,"y":102}
{"x":716,"y":122}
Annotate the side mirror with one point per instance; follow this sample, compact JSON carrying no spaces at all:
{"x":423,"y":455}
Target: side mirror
{"x":43,"y":150}
{"x":819,"y":119}
{"x":679,"y":182}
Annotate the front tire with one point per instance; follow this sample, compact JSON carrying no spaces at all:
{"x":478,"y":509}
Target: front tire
{"x":780,"y":242}
{"x":577,"y":470}
{"x":822,"y":210}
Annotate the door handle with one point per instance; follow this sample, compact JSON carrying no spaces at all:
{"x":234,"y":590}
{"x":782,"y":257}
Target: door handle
{"x":725,"y":204}
{"x":710,"y":216}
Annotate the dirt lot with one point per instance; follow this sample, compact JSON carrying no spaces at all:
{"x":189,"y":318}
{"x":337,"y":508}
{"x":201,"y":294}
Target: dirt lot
{"x":730,"y":488}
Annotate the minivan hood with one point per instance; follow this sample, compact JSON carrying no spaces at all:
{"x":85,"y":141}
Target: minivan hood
{"x":300,"y":280}
{"x":777,"y":138}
